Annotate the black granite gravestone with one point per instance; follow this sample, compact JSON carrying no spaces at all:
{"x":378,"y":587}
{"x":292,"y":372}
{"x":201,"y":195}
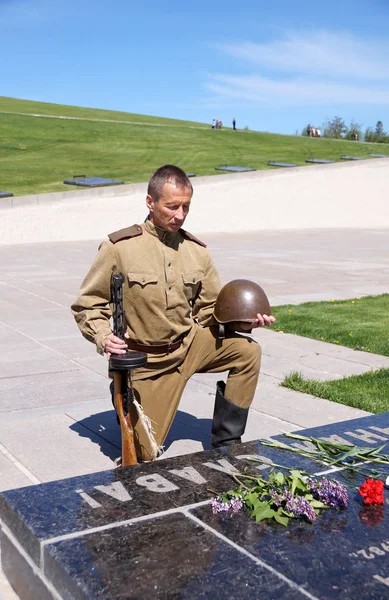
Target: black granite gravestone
{"x":275,"y":163}
{"x":344,"y":157}
{"x":5,"y":194}
{"x":83,"y":181}
{"x":233,"y":169}
{"x":148,"y":532}
{"x":320,"y":161}
{"x":378,"y":155}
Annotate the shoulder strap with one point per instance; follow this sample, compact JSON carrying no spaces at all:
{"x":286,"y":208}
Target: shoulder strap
{"x":125,"y":234}
{"x":192,"y":237}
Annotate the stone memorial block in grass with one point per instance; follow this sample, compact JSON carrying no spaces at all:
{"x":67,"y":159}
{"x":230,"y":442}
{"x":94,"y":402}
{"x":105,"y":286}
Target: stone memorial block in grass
{"x":274,"y":163}
{"x":319,"y":161}
{"x":345,"y":157}
{"x":233,"y":169}
{"x":83,"y":181}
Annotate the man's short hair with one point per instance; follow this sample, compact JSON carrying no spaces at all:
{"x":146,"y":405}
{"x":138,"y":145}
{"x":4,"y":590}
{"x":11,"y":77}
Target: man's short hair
{"x":167,"y":173}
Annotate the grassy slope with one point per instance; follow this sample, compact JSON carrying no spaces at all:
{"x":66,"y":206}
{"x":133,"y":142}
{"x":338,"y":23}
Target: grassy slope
{"x":37,"y":153}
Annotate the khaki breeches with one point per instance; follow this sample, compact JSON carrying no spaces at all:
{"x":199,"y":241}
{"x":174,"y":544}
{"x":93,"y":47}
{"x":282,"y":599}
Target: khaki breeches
{"x":160,"y":395}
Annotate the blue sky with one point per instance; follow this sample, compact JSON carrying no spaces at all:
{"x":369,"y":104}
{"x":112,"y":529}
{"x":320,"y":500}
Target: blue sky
{"x":274,"y":65}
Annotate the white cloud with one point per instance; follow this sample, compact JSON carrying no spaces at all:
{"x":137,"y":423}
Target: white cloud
{"x":323,"y":52}
{"x":297,"y":91}
{"x":325,"y":69}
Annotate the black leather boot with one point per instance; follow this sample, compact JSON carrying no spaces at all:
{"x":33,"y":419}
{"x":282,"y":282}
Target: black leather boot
{"x":229,"y":420}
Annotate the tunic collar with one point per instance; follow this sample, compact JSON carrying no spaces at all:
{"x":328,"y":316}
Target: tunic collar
{"x":166,"y":237}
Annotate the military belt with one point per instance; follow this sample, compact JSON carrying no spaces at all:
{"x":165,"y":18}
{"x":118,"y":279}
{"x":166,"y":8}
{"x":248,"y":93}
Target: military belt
{"x":156,"y":348}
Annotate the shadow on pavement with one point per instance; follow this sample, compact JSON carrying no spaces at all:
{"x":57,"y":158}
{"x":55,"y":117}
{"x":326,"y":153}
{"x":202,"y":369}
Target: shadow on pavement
{"x":102,"y":429}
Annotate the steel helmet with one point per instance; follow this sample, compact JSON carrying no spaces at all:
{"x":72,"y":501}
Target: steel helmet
{"x":240,"y":301}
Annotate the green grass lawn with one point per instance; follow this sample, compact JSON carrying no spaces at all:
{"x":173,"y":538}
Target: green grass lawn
{"x":38,"y":153}
{"x":369,"y":391}
{"x":362,"y":324}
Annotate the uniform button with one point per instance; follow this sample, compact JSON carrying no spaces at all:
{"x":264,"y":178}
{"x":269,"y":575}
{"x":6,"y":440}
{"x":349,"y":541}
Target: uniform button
{"x":169,"y":264}
{"x":170,"y":287}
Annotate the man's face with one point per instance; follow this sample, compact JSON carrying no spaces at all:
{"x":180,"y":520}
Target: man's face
{"x":172,"y":208}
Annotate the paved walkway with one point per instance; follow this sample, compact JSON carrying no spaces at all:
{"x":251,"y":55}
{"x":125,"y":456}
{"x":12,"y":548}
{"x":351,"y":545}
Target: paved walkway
{"x":56,"y":417}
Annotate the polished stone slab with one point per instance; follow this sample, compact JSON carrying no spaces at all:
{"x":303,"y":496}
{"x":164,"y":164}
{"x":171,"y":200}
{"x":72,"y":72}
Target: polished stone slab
{"x":320,"y":161}
{"x":148,"y":532}
{"x":92,"y":181}
{"x":207,"y":566}
{"x":233,"y":169}
{"x":5,"y":194}
{"x":275,"y":163}
{"x":344,"y":157}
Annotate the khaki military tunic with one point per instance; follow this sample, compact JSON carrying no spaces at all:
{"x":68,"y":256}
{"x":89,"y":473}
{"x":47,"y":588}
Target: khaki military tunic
{"x":170,"y":283}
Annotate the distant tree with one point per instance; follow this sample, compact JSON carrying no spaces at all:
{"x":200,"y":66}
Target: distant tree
{"x":379,"y":130}
{"x":335,"y":128}
{"x":354,"y":128}
{"x":376,"y":135}
{"x":370,"y":135}
{"x":381,"y":135}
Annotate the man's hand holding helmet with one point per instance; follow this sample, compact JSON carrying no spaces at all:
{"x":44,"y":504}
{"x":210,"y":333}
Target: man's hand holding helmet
{"x":260,"y":321}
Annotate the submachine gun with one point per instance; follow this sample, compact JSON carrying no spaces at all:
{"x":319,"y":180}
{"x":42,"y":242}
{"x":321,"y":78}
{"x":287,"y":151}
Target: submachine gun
{"x":122,"y":366}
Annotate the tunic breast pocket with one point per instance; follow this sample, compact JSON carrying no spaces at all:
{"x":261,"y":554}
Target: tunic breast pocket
{"x":139,"y":281}
{"x":192,"y":284}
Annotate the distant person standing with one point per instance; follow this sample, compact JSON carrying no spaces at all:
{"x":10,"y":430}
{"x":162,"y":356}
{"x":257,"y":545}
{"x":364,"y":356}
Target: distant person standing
{"x":234,"y":124}
{"x":213,"y":123}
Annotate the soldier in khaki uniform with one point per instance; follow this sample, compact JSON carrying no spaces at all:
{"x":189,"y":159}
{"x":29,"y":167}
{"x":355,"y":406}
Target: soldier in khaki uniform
{"x":170,"y":288}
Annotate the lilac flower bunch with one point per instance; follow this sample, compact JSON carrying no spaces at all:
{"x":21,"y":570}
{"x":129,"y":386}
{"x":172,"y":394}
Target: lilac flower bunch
{"x":299,"y":506}
{"x":281,"y":496}
{"x":232,"y":506}
{"x":330,"y":492}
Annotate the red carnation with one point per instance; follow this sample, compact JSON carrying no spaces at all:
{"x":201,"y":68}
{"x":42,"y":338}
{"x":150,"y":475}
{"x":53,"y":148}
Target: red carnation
{"x":372,"y":492}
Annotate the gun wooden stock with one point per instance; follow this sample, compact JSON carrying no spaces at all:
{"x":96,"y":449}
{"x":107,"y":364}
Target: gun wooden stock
{"x":129,"y":457}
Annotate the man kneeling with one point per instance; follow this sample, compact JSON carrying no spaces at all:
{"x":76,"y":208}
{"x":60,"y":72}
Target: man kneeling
{"x":169,"y":293}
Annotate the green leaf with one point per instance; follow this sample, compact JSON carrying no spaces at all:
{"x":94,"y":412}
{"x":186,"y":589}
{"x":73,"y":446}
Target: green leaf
{"x":279,"y":478}
{"x":296,"y":473}
{"x":263,"y":512}
{"x":318,"y":504}
{"x":251,"y":499}
{"x":281,"y":519}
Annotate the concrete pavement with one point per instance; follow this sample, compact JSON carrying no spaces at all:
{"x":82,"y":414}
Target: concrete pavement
{"x":57,"y":419}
